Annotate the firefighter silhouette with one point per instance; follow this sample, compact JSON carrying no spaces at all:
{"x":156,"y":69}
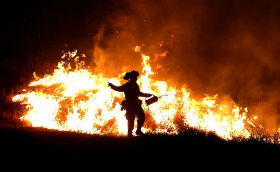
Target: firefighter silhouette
{"x":132,"y":104}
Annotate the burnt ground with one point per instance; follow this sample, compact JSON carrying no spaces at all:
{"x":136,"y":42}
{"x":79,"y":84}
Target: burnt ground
{"x":191,"y":146}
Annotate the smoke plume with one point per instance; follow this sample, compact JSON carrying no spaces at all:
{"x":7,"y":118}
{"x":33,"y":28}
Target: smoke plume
{"x":228,"y":48}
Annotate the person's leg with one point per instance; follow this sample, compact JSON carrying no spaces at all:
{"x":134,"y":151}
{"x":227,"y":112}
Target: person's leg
{"x":140,"y":121}
{"x":130,"y":124}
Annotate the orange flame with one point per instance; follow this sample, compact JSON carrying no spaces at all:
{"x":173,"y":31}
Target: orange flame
{"x":75,"y":99}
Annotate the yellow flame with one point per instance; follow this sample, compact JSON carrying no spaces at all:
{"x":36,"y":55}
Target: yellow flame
{"x":75,"y":99}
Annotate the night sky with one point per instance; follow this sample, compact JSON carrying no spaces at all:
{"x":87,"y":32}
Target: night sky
{"x":225,"y":47}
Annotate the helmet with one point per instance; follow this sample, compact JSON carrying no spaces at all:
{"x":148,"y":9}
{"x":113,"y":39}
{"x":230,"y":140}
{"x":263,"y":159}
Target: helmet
{"x":131,"y":75}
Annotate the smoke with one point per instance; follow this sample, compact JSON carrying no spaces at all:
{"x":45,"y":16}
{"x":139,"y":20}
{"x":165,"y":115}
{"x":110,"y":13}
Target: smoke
{"x":228,"y":48}
{"x":152,"y":25}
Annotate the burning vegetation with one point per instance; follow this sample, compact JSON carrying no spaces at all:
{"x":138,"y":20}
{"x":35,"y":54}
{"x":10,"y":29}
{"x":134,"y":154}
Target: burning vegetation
{"x":73,"y":98}
{"x":228,"y":50}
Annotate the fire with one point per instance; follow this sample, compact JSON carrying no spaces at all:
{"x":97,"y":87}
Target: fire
{"x":72,"y":98}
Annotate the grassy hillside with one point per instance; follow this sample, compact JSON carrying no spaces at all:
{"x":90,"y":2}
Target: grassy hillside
{"x":39,"y":142}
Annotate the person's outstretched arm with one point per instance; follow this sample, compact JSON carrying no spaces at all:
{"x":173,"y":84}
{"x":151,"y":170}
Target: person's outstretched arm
{"x":145,"y":94}
{"x":116,"y":88}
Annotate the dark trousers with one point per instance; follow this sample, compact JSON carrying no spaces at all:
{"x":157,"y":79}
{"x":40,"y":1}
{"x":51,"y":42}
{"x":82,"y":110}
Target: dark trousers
{"x":130,"y":116}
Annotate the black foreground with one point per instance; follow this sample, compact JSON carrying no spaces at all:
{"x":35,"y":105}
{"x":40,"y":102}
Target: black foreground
{"x":39,"y":142}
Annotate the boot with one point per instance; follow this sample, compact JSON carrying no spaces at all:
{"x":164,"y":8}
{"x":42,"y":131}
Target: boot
{"x":139,"y":132}
{"x":130,"y":135}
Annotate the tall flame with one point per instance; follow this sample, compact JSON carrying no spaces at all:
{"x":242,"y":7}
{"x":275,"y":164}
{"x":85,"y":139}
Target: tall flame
{"x":75,"y":99}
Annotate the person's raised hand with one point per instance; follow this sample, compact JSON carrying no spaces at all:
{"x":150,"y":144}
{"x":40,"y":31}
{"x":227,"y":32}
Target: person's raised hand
{"x":110,"y":84}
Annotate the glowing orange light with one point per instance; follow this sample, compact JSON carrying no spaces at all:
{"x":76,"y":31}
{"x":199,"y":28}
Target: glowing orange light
{"x":75,"y":99}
